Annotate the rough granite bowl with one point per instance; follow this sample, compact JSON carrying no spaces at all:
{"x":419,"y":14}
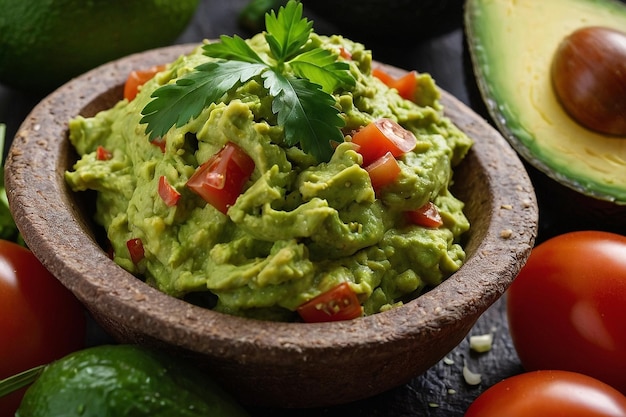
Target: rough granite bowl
{"x":268,"y":363}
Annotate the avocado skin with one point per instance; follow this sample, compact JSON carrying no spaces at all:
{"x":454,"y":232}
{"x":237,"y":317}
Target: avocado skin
{"x":125,"y":380}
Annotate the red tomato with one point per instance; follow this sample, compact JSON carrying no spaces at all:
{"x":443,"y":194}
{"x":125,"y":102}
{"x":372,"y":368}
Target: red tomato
{"x":138,"y":78}
{"x":340,"y":303}
{"x":383,"y":171}
{"x":428,"y":216}
{"x":168,"y":194}
{"x":406,"y":85}
{"x":383,"y":76}
{"x":549,"y":394}
{"x":102,"y":154}
{"x":160,"y":142}
{"x":220,"y":180}
{"x":382,"y":136}
{"x":40,"y":320}
{"x":344,"y":53}
{"x":567,"y":307}
{"x":135,"y":250}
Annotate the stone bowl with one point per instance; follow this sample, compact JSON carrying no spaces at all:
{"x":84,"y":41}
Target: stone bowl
{"x":268,"y":363}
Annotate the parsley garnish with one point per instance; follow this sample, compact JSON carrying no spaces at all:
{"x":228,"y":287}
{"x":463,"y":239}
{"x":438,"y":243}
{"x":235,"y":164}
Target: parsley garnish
{"x":300,"y":81}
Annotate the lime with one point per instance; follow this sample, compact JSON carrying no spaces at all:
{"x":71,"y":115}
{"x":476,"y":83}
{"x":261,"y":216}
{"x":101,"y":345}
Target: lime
{"x":44,"y":43}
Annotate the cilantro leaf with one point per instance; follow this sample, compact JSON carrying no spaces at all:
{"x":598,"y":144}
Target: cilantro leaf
{"x":287,"y":32}
{"x":302,"y":102}
{"x":178,"y":103}
{"x":306,"y":112}
{"x":234,"y":48}
{"x":320,"y":66}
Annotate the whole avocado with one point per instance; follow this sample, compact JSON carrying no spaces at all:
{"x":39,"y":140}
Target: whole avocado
{"x":45,"y":43}
{"x":124,"y":380}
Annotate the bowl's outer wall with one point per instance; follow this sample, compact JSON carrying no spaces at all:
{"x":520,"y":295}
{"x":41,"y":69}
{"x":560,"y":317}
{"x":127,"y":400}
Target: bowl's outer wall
{"x":264,"y":363}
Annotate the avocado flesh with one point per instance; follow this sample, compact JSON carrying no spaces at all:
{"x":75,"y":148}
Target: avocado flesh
{"x":511,"y":44}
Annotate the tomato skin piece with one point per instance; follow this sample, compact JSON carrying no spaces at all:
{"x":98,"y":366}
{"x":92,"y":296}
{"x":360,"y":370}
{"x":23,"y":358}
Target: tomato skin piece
{"x":137,"y":78}
{"x":382,"y":136}
{"x":566,"y":308}
{"x":168,"y":194}
{"x":220,"y":180}
{"x":340,"y":303}
{"x":40,"y":319}
{"x":428,"y":216}
{"x":383,"y":171}
{"x":549,"y":393}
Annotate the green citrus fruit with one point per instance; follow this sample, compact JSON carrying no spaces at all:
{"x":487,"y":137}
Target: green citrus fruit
{"x":44,"y":43}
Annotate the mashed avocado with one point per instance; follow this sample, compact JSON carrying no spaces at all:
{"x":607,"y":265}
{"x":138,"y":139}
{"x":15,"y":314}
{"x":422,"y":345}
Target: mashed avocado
{"x":299,"y":228}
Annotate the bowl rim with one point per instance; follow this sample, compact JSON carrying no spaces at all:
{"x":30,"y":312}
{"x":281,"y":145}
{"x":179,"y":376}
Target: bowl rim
{"x":52,"y":232}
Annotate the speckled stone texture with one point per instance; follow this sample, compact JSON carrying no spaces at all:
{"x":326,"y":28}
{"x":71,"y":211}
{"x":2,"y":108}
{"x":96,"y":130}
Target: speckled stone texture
{"x":264,"y":363}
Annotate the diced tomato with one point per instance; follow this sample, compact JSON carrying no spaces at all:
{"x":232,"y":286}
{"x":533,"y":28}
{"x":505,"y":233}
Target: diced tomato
{"x":138,"y":78}
{"x":382,"y":136}
{"x":340,"y":303}
{"x":135,"y":249}
{"x":428,"y":216}
{"x":344,"y":53}
{"x":102,"y":154}
{"x":160,"y":142}
{"x":168,"y":193}
{"x":383,"y":171}
{"x":383,"y":76}
{"x":406,"y":85}
{"x":220,"y":180}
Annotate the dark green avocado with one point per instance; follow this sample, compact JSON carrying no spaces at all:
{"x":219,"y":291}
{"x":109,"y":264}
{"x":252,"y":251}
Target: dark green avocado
{"x":512,"y":45}
{"x":125,"y":380}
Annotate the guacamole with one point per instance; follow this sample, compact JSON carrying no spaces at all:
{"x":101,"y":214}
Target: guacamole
{"x":299,"y":227}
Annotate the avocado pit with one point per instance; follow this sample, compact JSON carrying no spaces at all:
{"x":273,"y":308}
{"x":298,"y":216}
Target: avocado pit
{"x":589,"y":78}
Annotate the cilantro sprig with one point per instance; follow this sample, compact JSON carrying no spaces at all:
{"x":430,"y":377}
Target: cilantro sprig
{"x":300,"y":80}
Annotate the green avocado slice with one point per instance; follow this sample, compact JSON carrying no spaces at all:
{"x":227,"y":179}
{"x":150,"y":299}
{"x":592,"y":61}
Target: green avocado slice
{"x":511,"y":45}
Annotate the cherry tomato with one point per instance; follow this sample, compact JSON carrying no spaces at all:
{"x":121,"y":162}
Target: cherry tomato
{"x":40,"y":320}
{"x":382,"y":136}
{"x":168,"y":194}
{"x":340,"y":303}
{"x":220,"y":180}
{"x":567,"y":306}
{"x":383,"y":171}
{"x":547,"y":394}
{"x":428,"y":216}
{"x":138,"y":78}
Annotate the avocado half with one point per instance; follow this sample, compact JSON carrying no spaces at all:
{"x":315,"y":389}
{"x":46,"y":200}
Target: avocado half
{"x":511,"y":45}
